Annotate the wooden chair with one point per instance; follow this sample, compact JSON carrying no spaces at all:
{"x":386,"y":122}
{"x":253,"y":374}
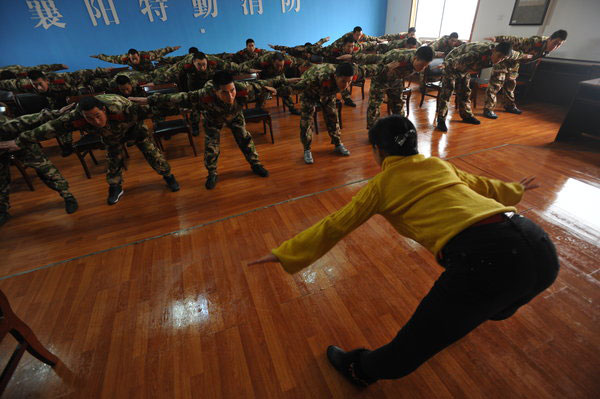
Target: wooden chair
{"x":168,"y":128}
{"x":19,"y":165}
{"x":431,"y":79}
{"x":27,"y":341}
{"x":359,"y":83}
{"x":477,"y":83}
{"x":407,"y":93}
{"x":338,"y":105}
{"x":260,"y":115}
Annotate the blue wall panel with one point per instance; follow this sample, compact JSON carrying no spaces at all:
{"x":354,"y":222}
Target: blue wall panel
{"x":23,"y":43}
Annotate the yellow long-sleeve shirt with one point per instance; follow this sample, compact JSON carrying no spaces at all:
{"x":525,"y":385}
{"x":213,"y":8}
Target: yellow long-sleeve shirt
{"x":426,"y":199}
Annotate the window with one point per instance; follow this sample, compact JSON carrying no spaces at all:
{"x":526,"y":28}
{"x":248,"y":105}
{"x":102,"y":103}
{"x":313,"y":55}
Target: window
{"x":437,"y":18}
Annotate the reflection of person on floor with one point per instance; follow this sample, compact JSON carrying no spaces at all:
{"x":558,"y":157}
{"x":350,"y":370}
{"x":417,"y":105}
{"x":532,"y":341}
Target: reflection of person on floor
{"x":495,"y":261}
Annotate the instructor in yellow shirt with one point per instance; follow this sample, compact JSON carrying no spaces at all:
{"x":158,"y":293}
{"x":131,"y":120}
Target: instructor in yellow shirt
{"x":495,"y":260}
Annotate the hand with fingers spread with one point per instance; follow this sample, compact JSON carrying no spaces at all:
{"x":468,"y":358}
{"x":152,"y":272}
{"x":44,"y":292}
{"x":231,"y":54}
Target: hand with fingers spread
{"x":528,"y":184}
{"x":345,"y":57}
{"x":271,"y":90}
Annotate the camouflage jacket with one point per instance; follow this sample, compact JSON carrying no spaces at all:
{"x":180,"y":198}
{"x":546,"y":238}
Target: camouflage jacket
{"x":207,"y":101}
{"x":138,"y":79}
{"x":265,"y":64}
{"x":380,"y":74}
{"x":21,"y":71}
{"x":534,"y":45}
{"x":146,"y":58}
{"x":395,"y":36}
{"x":318,"y":81}
{"x":244,"y":55}
{"x":363,"y":39}
{"x":299,"y":51}
{"x":330,"y":53}
{"x":385,"y":47}
{"x":469,"y":57}
{"x":173,"y":73}
{"x":60,"y":85}
{"x":122,"y":115}
{"x":10,"y":128}
{"x":442,"y":45}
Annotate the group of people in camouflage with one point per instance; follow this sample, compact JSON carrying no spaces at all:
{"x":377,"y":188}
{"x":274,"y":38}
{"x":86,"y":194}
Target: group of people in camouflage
{"x":209,"y":89}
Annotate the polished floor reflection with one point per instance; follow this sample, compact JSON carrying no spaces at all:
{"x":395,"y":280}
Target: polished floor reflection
{"x":153,"y":297}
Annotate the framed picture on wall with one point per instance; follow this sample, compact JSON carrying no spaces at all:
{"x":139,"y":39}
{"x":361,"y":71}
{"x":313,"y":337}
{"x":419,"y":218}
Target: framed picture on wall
{"x":529,"y":12}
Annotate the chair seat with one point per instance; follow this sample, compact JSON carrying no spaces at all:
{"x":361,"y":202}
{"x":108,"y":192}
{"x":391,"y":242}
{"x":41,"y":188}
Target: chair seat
{"x":170,"y":126}
{"x":88,"y":140}
{"x":480,"y":81}
{"x":255,"y":113}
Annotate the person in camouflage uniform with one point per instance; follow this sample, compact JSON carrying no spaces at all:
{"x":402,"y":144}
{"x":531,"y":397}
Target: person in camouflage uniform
{"x":116,"y":120}
{"x":56,"y":87}
{"x":358,"y":36}
{"x":31,"y":156}
{"x":305,"y":51}
{"x":445,"y":44}
{"x":249,"y":53}
{"x":318,"y":86}
{"x":388,"y":79}
{"x":458,"y":65}
{"x":504,"y":74}
{"x":412,"y":32}
{"x":381,"y":48}
{"x":19,"y":71}
{"x":162,"y":61}
{"x":221,"y":102}
{"x":140,"y":61}
{"x":272,"y":65}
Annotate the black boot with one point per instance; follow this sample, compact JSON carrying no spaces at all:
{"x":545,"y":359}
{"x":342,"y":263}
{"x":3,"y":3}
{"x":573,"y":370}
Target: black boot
{"x":171,"y":182}
{"x":114,"y":193}
{"x":4,"y":216}
{"x":489,"y":114}
{"x":195,"y":131}
{"x":350,"y":103}
{"x":294,"y":111}
{"x":67,"y":150}
{"x":260,"y":170}
{"x":441,"y":125}
{"x":211,"y":181}
{"x":348,"y":364}
{"x":513,"y":110}
{"x":71,"y":204}
{"x":472,"y":120}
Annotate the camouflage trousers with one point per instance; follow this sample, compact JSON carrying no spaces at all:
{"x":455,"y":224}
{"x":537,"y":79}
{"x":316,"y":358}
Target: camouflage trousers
{"x":307,"y":111}
{"x":66,"y":139}
{"x":396,"y":102}
{"x":33,"y":157}
{"x":461,"y":81}
{"x":503,"y":81}
{"x":140,"y":136}
{"x":346,"y":95}
{"x":212,"y":141}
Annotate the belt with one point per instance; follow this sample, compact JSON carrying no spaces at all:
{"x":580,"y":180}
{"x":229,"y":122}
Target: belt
{"x":497,"y":218}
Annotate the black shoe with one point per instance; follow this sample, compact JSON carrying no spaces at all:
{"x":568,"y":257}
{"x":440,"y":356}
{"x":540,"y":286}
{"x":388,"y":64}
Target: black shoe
{"x":130,"y":143}
{"x":489,"y":114}
{"x":67,"y":150}
{"x":211,"y":182}
{"x":260,"y":170}
{"x":441,"y":125}
{"x":195,"y":131}
{"x":71,"y":204}
{"x":294,"y":111}
{"x":347,"y":363}
{"x":350,"y":103}
{"x":4,"y":216}
{"x":513,"y":110}
{"x":171,"y":182}
{"x":114,"y":193}
{"x":472,"y":120}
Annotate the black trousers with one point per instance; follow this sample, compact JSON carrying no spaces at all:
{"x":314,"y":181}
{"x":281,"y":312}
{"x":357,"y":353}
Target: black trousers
{"x":491,"y":271}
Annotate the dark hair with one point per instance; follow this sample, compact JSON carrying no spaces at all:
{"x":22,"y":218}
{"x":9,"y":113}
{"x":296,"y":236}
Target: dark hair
{"x":87,"y":103}
{"x":504,"y":48}
{"x":453,"y":35}
{"x":424,"y":53}
{"x":132,"y":51}
{"x":193,"y":50}
{"x":349,"y":39}
{"x":6,"y":74}
{"x":249,"y":41}
{"x":344,"y":69}
{"x":559,"y":34}
{"x":308,"y":44}
{"x":122,"y":80}
{"x":199,"y":56}
{"x":222,"y":78}
{"x":35,"y":74}
{"x":412,"y":29}
{"x":278,"y":57}
{"x":412,"y":41}
{"x":357,"y":29}
{"x":394,"y":135}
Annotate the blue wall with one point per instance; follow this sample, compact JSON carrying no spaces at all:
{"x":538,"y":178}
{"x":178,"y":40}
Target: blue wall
{"x":24,"y":44}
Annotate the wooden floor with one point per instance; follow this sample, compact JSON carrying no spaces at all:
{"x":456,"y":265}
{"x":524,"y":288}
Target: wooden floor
{"x":152,"y":297}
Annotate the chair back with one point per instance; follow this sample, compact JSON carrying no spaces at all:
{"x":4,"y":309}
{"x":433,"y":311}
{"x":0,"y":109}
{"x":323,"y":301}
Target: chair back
{"x":167,"y":88}
{"x":30,"y":103}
